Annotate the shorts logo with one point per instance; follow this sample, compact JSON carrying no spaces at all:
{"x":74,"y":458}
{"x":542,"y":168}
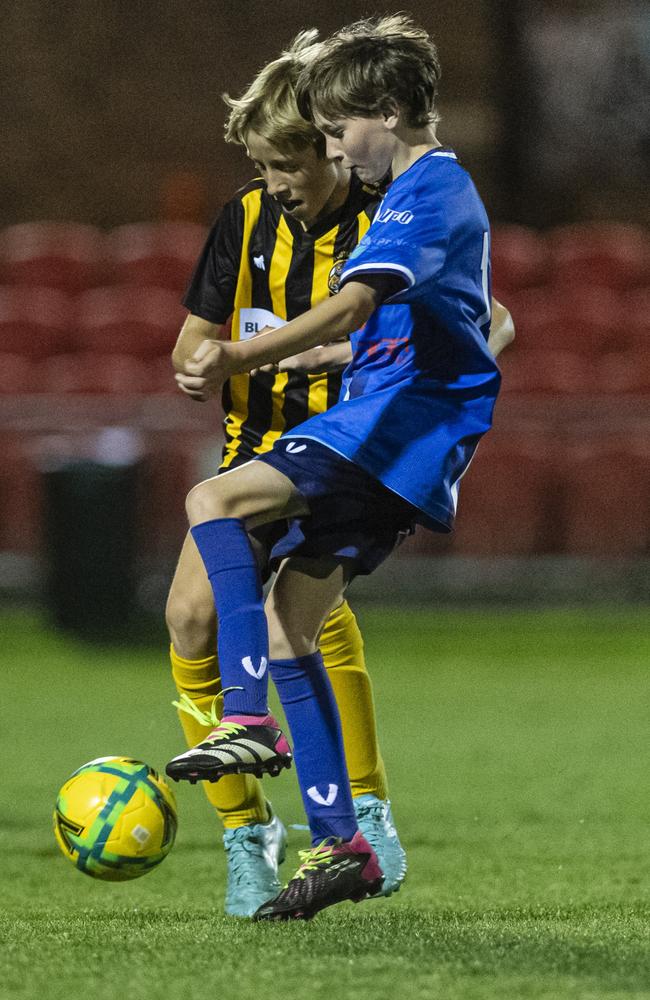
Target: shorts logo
{"x":294,"y":448}
{"x":315,"y":795}
{"x":247,"y":664}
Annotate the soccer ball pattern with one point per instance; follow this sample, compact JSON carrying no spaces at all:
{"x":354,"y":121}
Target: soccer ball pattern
{"x":115,"y":819}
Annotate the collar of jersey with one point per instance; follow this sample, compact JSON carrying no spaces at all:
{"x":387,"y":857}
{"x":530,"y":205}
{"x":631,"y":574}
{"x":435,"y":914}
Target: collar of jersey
{"x":439,"y":150}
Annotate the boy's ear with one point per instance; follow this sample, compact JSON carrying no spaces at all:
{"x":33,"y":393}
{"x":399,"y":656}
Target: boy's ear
{"x":390,"y":113}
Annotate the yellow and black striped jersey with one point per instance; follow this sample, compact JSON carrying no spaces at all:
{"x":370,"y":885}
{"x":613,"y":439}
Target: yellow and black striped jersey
{"x":258,"y":264}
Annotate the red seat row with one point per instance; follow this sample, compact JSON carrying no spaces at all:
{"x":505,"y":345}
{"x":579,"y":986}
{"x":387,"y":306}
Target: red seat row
{"x":560,"y":373}
{"x":615,"y":255}
{"x":122,"y":319}
{"x":145,"y":320}
{"x":536,"y":494}
{"x":86,"y":373}
{"x":73,"y":256}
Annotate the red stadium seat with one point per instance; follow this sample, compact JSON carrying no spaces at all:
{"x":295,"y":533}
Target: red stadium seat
{"x":519,"y":259}
{"x":508,"y":500}
{"x":87,"y":373}
{"x":127,"y":319}
{"x":65,"y":255}
{"x":35,"y":321}
{"x":608,"y":498}
{"x":636,"y":318}
{"x":547,"y":371}
{"x":156,"y":253}
{"x":612,"y":254}
{"x":584,"y":320}
{"x":19,"y":375}
{"x":624,"y":372}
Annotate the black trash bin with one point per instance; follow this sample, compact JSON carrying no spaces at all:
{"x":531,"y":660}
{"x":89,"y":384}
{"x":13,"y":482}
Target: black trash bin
{"x":90,"y":506}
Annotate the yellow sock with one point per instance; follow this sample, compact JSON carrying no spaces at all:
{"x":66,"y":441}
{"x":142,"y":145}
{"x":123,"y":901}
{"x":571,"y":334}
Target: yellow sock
{"x":342,"y":648}
{"x":237,"y":798}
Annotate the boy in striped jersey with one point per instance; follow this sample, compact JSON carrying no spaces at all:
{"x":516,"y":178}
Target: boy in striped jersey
{"x":419,"y":395}
{"x":276,"y":250}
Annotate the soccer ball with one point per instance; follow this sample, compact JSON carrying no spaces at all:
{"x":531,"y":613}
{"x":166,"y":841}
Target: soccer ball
{"x":115,"y":818}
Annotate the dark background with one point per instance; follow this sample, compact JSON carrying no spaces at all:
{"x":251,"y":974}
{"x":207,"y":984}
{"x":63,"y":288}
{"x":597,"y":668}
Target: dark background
{"x":112,"y":109}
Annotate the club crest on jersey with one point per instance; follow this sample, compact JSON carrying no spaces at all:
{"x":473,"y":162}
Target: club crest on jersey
{"x":334,"y":277}
{"x":328,"y":800}
{"x":248,"y":666}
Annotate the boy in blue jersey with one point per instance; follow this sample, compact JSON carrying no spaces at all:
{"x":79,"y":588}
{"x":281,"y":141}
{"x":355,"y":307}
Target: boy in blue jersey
{"x":418,"y":395}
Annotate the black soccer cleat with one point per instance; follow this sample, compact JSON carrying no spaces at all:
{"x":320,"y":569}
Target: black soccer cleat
{"x":234,"y":747}
{"x":329,"y":874}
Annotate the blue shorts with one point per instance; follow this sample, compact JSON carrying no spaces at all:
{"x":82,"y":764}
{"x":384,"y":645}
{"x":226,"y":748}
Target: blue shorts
{"x":353,"y":517}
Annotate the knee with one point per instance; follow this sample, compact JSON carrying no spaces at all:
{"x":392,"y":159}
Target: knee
{"x":191,"y":623}
{"x":208,"y":500}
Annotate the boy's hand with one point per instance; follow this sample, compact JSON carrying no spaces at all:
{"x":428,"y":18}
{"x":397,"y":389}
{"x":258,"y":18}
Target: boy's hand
{"x":205,"y":373}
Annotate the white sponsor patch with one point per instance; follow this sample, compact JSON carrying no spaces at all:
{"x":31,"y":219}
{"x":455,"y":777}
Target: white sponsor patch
{"x":294,"y":448}
{"x":253,"y":321}
{"x":315,"y":795}
{"x":258,"y":672}
{"x":259,"y":262}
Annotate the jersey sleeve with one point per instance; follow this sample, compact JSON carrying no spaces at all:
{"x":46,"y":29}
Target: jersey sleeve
{"x":211,"y":292}
{"x":407,"y":241}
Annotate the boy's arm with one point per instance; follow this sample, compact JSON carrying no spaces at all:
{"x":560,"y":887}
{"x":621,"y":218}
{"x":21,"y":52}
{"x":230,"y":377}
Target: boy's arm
{"x":502,"y":328}
{"x":216,"y":361}
{"x":193,"y":332}
{"x":328,"y":358}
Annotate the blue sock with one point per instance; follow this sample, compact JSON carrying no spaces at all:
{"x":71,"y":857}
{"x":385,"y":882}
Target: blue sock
{"x":242,"y":637}
{"x":313,"y":716}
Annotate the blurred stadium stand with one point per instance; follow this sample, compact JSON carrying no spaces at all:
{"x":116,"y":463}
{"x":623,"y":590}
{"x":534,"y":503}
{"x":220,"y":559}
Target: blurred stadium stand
{"x":88,"y":320}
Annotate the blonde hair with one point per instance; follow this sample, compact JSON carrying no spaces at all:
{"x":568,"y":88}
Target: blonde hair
{"x":269,"y":105}
{"x":365,"y":68}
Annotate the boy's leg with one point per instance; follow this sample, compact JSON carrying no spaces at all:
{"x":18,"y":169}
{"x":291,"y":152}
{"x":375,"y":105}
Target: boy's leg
{"x":254,"y":839}
{"x":341,"y":645}
{"x":342,"y":864}
{"x":221,"y":511}
{"x":191,"y":620}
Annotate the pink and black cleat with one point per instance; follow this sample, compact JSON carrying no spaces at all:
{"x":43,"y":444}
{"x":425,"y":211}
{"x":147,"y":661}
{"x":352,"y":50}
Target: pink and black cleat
{"x":330,"y":873}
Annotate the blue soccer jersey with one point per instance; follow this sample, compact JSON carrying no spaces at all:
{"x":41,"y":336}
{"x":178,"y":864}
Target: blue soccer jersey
{"x":420,"y":390}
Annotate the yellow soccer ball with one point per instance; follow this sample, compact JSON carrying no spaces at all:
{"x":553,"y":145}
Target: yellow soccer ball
{"x":115,"y":818}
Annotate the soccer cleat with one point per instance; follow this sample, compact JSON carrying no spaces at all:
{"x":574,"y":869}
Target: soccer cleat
{"x":330,"y":873}
{"x":253,"y":854}
{"x":376,"y":823}
{"x":237,"y":745}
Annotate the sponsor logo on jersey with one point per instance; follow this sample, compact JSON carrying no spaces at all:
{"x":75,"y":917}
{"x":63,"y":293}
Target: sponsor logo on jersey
{"x":252,"y":321}
{"x":327,"y":800}
{"x":259,"y":262}
{"x":390,"y":215}
{"x":247,"y":664}
{"x":294,"y":448}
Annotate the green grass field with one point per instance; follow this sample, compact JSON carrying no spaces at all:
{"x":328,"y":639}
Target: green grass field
{"x":517,"y":748}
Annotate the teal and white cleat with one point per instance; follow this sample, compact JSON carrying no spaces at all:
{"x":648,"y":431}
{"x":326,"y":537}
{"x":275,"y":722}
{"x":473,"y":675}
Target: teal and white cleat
{"x":377,"y":825}
{"x":253,"y":854}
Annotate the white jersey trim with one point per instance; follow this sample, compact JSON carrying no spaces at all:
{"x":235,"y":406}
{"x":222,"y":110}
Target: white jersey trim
{"x":410,"y":277}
